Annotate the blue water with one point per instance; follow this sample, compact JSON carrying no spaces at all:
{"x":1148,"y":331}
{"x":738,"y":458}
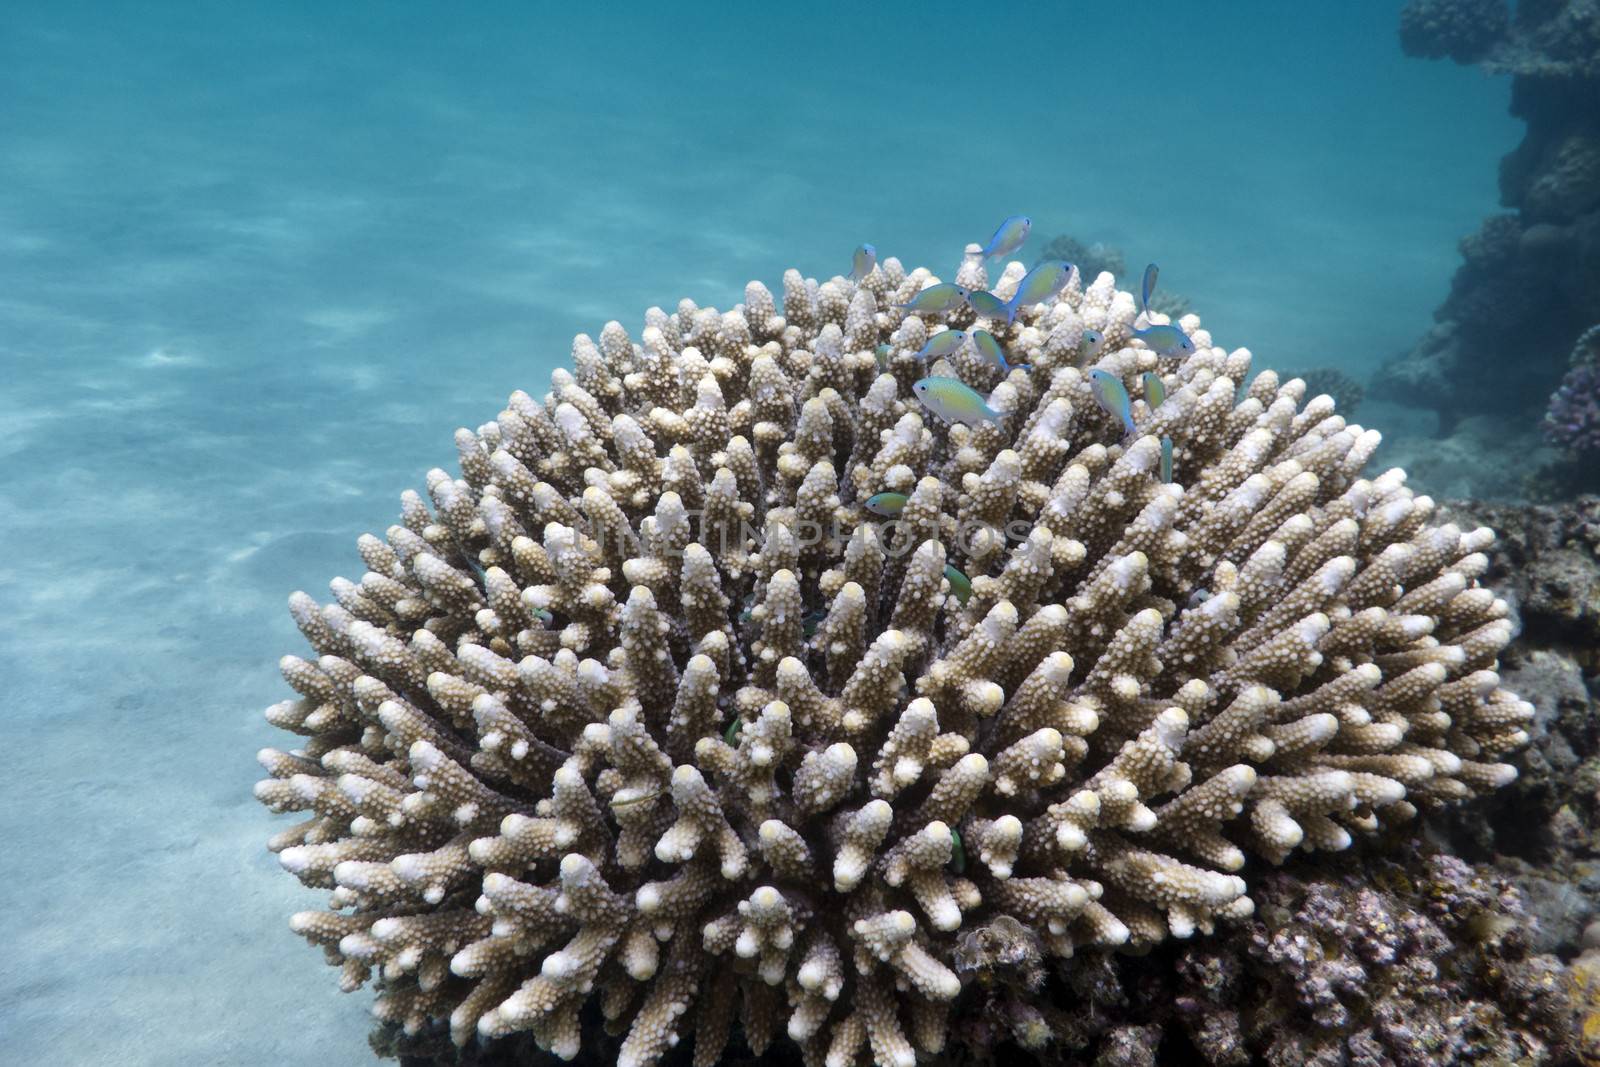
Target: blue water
{"x":257,"y":262}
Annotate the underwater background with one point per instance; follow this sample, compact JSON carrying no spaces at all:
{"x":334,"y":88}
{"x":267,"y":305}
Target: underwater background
{"x":258,"y":262}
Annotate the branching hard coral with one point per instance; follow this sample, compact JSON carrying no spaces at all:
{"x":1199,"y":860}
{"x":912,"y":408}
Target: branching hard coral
{"x":645,"y":709}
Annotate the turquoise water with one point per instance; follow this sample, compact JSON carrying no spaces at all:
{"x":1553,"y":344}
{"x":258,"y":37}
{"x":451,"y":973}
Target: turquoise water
{"x":257,"y":263}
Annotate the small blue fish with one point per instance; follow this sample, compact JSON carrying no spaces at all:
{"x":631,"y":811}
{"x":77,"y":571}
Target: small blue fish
{"x":1040,"y":283}
{"x":882,"y":354}
{"x":1112,"y":396}
{"x":866,"y":258}
{"x":1095,"y":340}
{"x":1148,"y":287}
{"x":1155,"y":390}
{"x":942,"y":343}
{"x":889,"y":505}
{"x":960,"y":585}
{"x":936,"y":299}
{"x":1166,"y":340}
{"x":987,"y":305}
{"x":1166,"y":461}
{"x":954,"y":401}
{"x":812,"y":621}
{"x":987,"y":346}
{"x":1008,"y":238}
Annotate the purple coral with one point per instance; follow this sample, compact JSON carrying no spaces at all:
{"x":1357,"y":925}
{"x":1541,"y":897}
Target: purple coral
{"x":1572,"y":420}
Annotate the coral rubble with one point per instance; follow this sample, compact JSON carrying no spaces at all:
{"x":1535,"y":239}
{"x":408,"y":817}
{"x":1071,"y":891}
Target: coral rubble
{"x":644,"y":718}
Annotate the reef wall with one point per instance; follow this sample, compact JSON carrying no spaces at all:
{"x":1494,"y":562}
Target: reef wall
{"x":1529,"y":282}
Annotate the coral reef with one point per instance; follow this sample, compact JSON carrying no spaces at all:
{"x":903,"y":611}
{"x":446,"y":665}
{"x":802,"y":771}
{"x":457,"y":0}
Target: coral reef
{"x":1572,"y":419}
{"x":1415,"y":965}
{"x":647,"y":723}
{"x":1530,"y":279}
{"x":1543,"y":833}
{"x":1347,"y":393}
{"x":1091,"y":260}
{"x":1546,"y":567}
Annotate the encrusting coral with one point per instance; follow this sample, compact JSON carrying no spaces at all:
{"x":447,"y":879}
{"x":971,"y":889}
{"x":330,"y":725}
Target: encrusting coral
{"x":647,"y":710}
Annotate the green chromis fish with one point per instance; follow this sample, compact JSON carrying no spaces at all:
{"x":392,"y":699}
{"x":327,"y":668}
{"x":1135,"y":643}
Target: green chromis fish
{"x":882,"y":354}
{"x":954,"y":401}
{"x":731,"y":734}
{"x":1166,"y":461}
{"x":943,"y":343}
{"x":1095,"y":340}
{"x":936,"y":299}
{"x":866,"y":258}
{"x":958,"y":852}
{"x":1112,"y":396}
{"x":889,"y":505}
{"x":812,"y":621}
{"x":1040,"y":283}
{"x":959,"y":583}
{"x":1148,"y":287}
{"x":1166,"y":340}
{"x":1008,"y":238}
{"x":989,"y":348}
{"x":988,"y":306}
{"x":1155,"y":390}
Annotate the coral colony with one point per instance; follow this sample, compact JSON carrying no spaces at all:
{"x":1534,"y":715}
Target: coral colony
{"x":1572,"y":419}
{"x":730,"y":681}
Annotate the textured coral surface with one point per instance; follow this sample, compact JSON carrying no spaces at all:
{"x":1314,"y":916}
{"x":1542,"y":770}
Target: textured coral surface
{"x":644,"y":711}
{"x":1572,"y":419}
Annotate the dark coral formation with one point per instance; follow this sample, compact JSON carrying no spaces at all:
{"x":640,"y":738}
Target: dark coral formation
{"x":1415,"y":964}
{"x":1401,"y":959}
{"x":1099,"y":257}
{"x":1572,"y":420}
{"x":1464,"y":30}
{"x":1346,"y":392}
{"x":1544,"y":831}
{"x":1389,"y":958}
{"x":1091,"y":259}
{"x":1384,"y":964}
{"x":1530,"y":279}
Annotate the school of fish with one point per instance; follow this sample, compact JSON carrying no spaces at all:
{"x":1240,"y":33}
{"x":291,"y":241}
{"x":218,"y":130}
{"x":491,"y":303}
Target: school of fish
{"x":954,"y":401}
